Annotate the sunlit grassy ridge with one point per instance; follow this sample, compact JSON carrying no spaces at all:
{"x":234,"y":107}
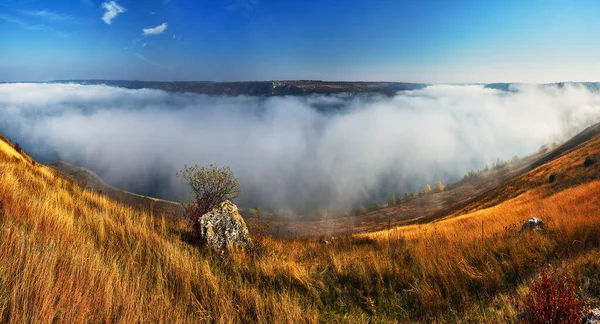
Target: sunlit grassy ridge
{"x":72,"y":255}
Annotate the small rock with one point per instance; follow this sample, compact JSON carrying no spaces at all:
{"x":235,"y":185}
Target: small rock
{"x":552,"y":178}
{"x":223,"y":229}
{"x":533,"y":224}
{"x":589,"y":160}
{"x":324,"y":241}
{"x":592,"y":316}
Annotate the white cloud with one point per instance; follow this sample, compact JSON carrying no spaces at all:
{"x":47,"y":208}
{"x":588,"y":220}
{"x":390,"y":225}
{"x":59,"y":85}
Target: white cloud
{"x":155,"y":30}
{"x":112,"y":10}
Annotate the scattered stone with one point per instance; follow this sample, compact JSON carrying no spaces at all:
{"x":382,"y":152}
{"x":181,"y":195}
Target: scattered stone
{"x":592,"y":316}
{"x":533,"y":224}
{"x":223,"y":229}
{"x":552,"y":178}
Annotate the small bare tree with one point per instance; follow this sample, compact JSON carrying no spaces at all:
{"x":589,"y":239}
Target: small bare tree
{"x":210,"y":186}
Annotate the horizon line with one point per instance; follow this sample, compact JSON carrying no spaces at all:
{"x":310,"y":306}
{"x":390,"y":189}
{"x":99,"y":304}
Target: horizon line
{"x":295,"y":80}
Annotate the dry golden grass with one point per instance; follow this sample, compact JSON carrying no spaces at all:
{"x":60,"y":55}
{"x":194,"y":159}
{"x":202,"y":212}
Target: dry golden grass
{"x":565,"y":210}
{"x":72,"y":255}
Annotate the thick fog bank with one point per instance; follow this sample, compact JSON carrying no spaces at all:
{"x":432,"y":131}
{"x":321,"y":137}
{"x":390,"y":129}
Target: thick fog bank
{"x":290,"y":151}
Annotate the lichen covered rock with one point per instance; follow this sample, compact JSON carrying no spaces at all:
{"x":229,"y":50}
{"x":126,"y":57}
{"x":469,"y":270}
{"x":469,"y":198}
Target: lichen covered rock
{"x":223,"y":229}
{"x":533,"y":224}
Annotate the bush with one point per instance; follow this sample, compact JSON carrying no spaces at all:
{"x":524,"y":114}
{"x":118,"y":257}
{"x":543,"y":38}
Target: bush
{"x":471,"y":173}
{"x":210,"y":186}
{"x":376,"y":205}
{"x":358,"y":210}
{"x":18,"y":148}
{"x":552,"y":299}
{"x":392,"y":201}
{"x":499,"y":164}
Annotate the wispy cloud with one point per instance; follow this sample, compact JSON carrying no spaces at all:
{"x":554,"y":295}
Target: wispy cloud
{"x":245,"y":6}
{"x":139,"y":42}
{"x":48,"y":15}
{"x":112,"y":11}
{"x":143,"y":58}
{"x":178,"y":39}
{"x":33,"y":27}
{"x":21,"y":23}
{"x":155,"y":30}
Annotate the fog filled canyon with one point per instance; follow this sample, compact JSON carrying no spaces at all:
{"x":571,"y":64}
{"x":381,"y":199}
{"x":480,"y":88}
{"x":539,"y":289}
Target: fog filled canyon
{"x":291,"y":152}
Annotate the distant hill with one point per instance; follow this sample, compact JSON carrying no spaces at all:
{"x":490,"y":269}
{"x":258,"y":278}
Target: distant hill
{"x":261,"y":88}
{"x":292,"y":87}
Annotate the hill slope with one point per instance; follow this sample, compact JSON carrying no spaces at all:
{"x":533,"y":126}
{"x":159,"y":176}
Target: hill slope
{"x":68,"y":254}
{"x":90,"y":180}
{"x":483,"y":190}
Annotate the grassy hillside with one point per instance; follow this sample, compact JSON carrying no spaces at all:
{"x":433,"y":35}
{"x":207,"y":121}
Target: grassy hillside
{"x":87,"y":179}
{"x":72,"y":255}
{"x":69,"y":254}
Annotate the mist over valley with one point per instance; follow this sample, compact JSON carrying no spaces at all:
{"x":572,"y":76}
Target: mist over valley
{"x":292,"y":153}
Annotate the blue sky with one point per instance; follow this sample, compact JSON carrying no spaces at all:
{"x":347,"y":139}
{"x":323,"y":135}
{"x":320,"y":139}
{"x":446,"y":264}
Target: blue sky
{"x":220,"y":40}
